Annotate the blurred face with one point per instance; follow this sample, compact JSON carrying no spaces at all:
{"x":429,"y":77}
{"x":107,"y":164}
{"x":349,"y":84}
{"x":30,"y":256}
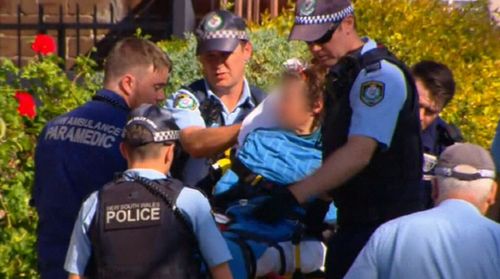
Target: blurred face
{"x":334,"y":44}
{"x":224,"y":70}
{"x":294,"y":110}
{"x":429,"y":109}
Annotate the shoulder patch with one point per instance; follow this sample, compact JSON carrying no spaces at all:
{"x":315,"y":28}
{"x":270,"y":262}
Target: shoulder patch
{"x":373,"y":67}
{"x":372,"y":92}
{"x":185,"y":101}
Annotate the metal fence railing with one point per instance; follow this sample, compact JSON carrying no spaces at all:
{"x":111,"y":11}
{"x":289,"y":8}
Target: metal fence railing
{"x":112,"y":26}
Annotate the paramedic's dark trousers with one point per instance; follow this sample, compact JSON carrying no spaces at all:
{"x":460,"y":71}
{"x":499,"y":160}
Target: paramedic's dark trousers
{"x":343,"y":249}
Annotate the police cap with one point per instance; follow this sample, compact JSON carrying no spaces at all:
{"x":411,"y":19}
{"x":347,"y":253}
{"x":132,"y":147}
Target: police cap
{"x":220,"y":31}
{"x":314,"y":18}
{"x":150,"y":123}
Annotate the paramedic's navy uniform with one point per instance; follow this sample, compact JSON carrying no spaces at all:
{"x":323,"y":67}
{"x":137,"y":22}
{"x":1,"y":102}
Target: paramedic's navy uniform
{"x":435,"y":138}
{"x":186,"y":110}
{"x":76,"y":154}
{"x":438,"y":136}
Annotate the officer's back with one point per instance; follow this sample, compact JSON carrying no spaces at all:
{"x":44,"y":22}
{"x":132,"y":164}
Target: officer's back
{"x":145,"y":224}
{"x":78,"y":152}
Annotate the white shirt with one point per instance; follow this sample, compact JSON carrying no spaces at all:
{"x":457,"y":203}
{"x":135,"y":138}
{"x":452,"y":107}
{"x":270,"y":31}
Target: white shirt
{"x":452,"y":240}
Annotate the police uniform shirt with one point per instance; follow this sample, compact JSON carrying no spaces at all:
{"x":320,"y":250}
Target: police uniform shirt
{"x":452,"y":240}
{"x":76,"y":153}
{"x":376,"y":99}
{"x":186,"y":112}
{"x":190,"y":202}
{"x":186,"y":108}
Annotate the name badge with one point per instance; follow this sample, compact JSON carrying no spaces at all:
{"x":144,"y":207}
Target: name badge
{"x":132,"y":215}
{"x":430,"y":162}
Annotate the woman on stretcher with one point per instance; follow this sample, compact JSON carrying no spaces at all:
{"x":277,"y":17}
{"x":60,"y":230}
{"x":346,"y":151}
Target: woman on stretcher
{"x":284,"y":148}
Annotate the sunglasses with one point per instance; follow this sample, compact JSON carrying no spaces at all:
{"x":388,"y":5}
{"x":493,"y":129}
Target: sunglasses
{"x":325,"y":38}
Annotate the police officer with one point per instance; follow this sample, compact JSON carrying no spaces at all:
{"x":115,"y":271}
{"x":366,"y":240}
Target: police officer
{"x":436,"y":87}
{"x":372,"y":155}
{"x":209,"y":110}
{"x":78,"y":152}
{"x":145,"y":224}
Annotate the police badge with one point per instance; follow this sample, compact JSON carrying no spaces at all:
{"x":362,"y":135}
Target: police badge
{"x":185,"y":101}
{"x":214,"y":23}
{"x":372,"y":93}
{"x":308,"y":8}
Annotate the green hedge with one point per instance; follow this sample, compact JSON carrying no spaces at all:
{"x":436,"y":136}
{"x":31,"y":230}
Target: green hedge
{"x":463,"y":39}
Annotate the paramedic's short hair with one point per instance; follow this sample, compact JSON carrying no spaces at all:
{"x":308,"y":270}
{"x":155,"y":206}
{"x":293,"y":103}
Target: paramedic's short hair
{"x":437,"y":78}
{"x":134,"y":52}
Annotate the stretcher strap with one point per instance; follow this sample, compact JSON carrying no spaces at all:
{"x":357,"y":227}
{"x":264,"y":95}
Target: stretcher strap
{"x":282,"y":259}
{"x":249,"y":257}
{"x":245,"y":175}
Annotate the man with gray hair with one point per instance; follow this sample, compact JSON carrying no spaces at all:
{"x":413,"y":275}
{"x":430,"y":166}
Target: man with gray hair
{"x":452,"y":240}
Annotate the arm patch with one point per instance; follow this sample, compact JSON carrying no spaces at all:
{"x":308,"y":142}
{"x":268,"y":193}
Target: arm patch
{"x":185,"y":101}
{"x":372,"y":93}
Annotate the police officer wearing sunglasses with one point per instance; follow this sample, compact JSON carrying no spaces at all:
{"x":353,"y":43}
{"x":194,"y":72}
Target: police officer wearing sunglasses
{"x":372,"y":157}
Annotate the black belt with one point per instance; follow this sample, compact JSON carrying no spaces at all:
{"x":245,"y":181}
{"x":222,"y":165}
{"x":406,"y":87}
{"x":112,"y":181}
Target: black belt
{"x":246,"y":176}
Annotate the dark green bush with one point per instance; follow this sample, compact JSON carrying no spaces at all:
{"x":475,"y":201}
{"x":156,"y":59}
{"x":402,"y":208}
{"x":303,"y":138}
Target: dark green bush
{"x":425,"y":29}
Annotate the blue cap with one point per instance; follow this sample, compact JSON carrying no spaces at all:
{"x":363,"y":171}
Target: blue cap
{"x":220,"y":31}
{"x":313,"y":18}
{"x":150,"y":123}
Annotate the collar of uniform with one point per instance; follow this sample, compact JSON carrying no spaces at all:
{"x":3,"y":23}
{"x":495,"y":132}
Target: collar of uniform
{"x":246,"y":97}
{"x":369,"y":45}
{"x":457,"y":204}
{"x":113,"y":96}
{"x":146,"y":173}
{"x":429,"y":137}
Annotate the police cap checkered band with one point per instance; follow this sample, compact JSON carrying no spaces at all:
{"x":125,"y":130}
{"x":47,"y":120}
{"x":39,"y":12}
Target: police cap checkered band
{"x":225,"y":34}
{"x":150,"y":123}
{"x":314,"y":18}
{"x":166,"y":136}
{"x":455,"y":158}
{"x":327,"y":18}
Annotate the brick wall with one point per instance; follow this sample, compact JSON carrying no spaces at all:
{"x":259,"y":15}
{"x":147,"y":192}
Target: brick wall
{"x":29,"y":14}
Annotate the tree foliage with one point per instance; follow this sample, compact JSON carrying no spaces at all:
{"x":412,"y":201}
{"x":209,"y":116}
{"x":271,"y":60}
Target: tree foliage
{"x":414,"y":30}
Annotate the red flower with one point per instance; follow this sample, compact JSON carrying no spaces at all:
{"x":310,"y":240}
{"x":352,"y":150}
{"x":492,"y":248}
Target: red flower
{"x":27,"y":106}
{"x":44,"y":44}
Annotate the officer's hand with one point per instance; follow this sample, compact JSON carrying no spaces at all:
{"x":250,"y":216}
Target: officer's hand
{"x":279,"y":205}
{"x":315,"y":216}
